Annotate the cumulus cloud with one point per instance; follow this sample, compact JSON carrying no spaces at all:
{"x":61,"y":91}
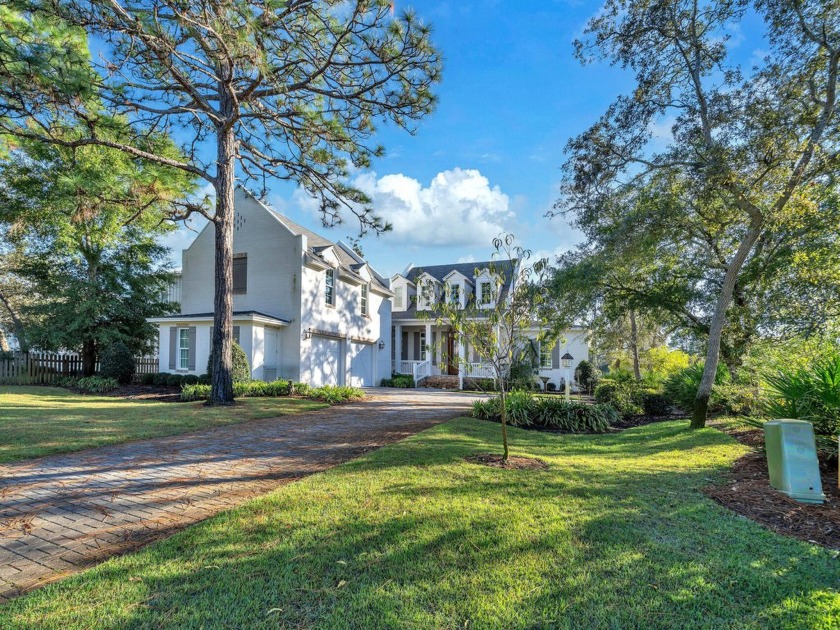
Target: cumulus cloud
{"x":458,"y":208}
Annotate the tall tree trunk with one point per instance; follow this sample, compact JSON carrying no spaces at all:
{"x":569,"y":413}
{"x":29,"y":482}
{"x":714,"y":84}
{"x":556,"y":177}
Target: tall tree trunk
{"x":20,"y":332}
{"x":88,"y":357}
{"x":221,"y":384}
{"x":4,"y":343}
{"x":634,"y":346}
{"x":504,"y":423}
{"x":704,"y":392}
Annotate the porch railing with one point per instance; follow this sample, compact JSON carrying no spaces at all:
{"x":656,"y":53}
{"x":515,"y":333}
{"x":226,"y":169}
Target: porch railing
{"x":478,"y":370}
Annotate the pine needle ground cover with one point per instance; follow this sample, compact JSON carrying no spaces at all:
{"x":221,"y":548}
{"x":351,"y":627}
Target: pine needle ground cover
{"x":614,"y":533}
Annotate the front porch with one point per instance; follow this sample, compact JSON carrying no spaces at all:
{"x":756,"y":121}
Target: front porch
{"x":424,"y":350}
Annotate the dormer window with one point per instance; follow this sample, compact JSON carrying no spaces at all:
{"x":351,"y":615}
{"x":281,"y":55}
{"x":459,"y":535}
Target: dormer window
{"x":399,"y":298}
{"x":455,"y":294}
{"x":364,"y":300}
{"x":329,"y":287}
{"x":486,"y":293}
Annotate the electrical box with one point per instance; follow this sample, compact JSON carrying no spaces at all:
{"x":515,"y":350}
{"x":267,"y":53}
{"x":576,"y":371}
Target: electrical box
{"x":792,"y":460}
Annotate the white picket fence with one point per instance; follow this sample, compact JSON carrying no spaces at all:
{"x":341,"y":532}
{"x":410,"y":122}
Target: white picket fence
{"x":45,"y":368}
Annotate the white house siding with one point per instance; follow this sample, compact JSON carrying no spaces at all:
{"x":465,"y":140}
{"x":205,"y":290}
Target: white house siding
{"x":202,"y":345}
{"x":574,"y":342}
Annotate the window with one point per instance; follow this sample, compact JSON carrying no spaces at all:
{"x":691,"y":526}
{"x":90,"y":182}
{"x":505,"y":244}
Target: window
{"x":364,"y":299}
{"x":545,"y":355}
{"x":455,"y":294}
{"x":240,"y":273}
{"x":329,"y":295}
{"x":422,"y":346}
{"x":183,"y":348}
{"x":486,"y":293}
{"x":399,"y":296}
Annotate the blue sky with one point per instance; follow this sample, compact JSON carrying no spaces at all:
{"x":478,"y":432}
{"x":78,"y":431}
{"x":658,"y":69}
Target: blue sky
{"x":488,"y":159}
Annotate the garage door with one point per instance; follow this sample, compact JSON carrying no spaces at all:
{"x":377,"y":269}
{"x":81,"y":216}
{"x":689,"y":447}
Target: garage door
{"x":326,"y":361}
{"x":361,"y":364}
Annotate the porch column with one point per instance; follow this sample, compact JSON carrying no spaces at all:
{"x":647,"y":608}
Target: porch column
{"x":461,"y":361}
{"x":429,"y":348}
{"x":397,"y":347}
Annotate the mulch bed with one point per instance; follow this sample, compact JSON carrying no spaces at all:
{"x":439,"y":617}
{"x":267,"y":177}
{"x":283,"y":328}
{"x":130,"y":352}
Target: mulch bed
{"x":513,"y":463}
{"x":747,"y":492}
{"x":160,"y":393}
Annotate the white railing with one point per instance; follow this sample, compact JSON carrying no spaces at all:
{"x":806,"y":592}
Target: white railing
{"x":421,"y":371}
{"x":478,"y":370}
{"x":405,"y":367}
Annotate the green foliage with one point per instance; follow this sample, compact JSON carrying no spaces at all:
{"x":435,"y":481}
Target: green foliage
{"x":587,"y":375}
{"x":147,"y":379}
{"x":660,"y":362}
{"x":96,"y":385}
{"x":118,"y":362}
{"x":480,"y":384}
{"x":69,"y":382}
{"x":398,"y":380}
{"x":624,"y":394}
{"x":811,"y":393}
{"x":241,"y":371}
{"x":681,"y":387}
{"x":160,"y":379}
{"x":549,"y":412}
{"x":174,"y":380}
{"x":332,"y":394}
{"x":655,"y":403}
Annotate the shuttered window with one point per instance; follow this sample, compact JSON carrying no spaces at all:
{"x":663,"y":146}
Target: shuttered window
{"x":364,"y":299}
{"x":183,"y":348}
{"x":329,"y":293}
{"x":240,"y":273}
{"x":545,"y":355}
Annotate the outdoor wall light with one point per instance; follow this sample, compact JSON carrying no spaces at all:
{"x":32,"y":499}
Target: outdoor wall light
{"x":567,"y":360}
{"x":381,"y":344}
{"x":307,"y":334}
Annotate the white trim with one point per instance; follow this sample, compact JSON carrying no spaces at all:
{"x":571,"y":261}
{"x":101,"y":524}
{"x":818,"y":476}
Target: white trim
{"x":181,"y":322}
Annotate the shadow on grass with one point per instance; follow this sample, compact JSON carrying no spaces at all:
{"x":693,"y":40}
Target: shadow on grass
{"x":413,"y":536}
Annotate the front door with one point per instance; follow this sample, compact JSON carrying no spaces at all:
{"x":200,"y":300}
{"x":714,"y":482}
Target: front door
{"x":451,"y":366}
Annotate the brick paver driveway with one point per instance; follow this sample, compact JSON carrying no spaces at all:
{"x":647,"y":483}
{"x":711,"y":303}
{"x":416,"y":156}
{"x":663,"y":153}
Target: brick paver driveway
{"x":62,"y":513}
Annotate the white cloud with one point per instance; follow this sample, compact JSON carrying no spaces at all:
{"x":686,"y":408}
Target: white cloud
{"x":458,"y":208}
{"x":466,"y":259}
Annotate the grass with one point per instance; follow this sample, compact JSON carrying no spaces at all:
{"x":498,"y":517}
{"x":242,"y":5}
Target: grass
{"x":36,"y":421}
{"x":615,"y":534}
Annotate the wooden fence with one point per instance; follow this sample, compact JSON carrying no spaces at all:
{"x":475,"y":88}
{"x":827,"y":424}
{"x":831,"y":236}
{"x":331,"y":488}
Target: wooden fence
{"x":45,"y":368}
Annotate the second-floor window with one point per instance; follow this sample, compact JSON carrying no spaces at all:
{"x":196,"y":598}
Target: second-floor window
{"x":240,"y":273}
{"x":399,"y":296}
{"x":329,"y":292}
{"x":455,"y":294}
{"x":364,"y":299}
{"x":486,"y":293}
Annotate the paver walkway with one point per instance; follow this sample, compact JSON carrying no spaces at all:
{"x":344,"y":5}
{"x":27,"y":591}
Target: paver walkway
{"x":63,"y":513}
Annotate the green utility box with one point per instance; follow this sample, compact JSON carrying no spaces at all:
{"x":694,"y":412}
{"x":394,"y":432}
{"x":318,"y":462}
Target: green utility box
{"x":792,"y":460}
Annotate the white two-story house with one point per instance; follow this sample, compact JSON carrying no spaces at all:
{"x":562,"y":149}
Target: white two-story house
{"x":304,"y":308}
{"x":423,"y":346}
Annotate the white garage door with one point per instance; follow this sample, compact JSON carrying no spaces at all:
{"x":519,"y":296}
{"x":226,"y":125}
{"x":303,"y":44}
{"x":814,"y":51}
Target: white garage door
{"x":361,"y":364}
{"x":326,"y":361}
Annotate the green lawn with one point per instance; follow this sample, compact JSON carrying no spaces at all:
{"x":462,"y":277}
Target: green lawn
{"x":615,"y":534}
{"x":36,"y":421}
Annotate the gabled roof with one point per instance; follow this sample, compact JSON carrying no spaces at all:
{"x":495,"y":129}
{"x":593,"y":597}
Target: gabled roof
{"x":506,"y":268}
{"x":317,"y":245}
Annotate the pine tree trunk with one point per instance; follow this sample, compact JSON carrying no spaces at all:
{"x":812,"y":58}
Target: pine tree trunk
{"x":704,"y":392}
{"x":20,"y":333}
{"x":221,"y":384}
{"x":634,"y":342}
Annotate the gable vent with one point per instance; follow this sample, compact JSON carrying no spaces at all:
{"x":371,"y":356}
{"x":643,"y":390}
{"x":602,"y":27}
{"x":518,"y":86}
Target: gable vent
{"x":238,"y":221}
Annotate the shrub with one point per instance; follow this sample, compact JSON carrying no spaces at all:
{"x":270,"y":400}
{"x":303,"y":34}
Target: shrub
{"x":174,"y":380}
{"x":625,"y":396}
{"x":117,"y":362}
{"x":551,"y":387}
{"x":586,"y":375}
{"x":147,"y":379}
{"x":740,"y":400}
{"x":334,"y":394}
{"x":398,"y":380}
{"x":301,"y":389}
{"x":160,"y":379}
{"x":481,"y":384}
{"x":809,"y":393}
{"x":195,"y":392}
{"x":655,"y":403}
{"x":204,"y":379}
{"x":69,"y":382}
{"x":681,"y":387}
{"x":241,"y":369}
{"x":97,"y":385}
{"x":189,"y":379}
{"x":526,"y":410}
